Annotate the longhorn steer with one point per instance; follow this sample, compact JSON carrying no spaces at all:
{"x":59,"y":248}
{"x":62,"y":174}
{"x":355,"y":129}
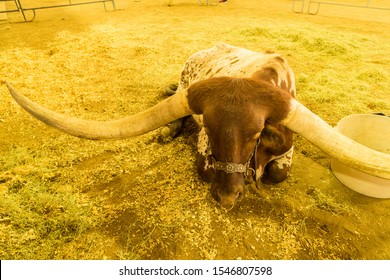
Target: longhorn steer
{"x":244,"y":103}
{"x":238,"y":98}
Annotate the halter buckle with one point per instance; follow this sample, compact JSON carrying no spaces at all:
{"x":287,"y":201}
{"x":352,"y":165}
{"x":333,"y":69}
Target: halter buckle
{"x":231,"y":167}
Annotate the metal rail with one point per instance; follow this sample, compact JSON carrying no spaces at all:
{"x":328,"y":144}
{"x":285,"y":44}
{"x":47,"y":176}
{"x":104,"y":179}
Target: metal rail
{"x":319,"y":3}
{"x":300,"y":10}
{"x":208,"y":2}
{"x":19,"y":7}
{"x":313,"y":7}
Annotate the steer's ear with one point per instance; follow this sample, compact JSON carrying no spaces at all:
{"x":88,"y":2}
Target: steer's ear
{"x":207,"y":92}
{"x":196,"y":100}
{"x":271,"y":137}
{"x":198,"y":93}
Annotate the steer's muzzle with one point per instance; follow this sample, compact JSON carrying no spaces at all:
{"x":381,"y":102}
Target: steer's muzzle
{"x":228,"y":189}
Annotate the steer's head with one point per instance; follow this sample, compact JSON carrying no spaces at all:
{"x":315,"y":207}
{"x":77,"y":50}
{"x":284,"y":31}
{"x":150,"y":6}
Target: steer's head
{"x":235,"y":112}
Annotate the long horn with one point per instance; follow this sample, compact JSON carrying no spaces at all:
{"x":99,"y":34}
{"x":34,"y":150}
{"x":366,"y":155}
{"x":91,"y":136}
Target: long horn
{"x":170,"y":109}
{"x":304,"y":122}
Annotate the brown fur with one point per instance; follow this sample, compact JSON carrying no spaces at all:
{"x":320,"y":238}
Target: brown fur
{"x":239,"y":93}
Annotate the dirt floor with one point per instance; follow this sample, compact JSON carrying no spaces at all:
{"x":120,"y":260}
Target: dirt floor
{"x":140,"y":198}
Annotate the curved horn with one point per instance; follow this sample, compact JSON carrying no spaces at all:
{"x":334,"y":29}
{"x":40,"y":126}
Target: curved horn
{"x":304,"y":122}
{"x":170,"y":109}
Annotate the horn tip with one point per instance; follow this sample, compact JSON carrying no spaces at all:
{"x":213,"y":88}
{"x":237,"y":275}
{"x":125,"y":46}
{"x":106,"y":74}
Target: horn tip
{"x":8,"y":84}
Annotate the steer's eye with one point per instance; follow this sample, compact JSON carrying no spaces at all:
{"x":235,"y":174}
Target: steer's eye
{"x":253,"y":137}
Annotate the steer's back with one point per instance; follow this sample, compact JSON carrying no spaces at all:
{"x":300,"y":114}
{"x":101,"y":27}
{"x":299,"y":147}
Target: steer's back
{"x":227,"y":60}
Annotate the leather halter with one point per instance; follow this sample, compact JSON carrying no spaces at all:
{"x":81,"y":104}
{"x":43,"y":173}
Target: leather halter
{"x":231,"y":167}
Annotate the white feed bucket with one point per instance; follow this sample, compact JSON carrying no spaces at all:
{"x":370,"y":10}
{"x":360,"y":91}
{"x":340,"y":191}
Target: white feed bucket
{"x":372,"y":131}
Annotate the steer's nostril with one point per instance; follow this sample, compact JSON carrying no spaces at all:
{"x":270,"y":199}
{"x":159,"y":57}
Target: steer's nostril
{"x":228,"y":201}
{"x":216,"y":195}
